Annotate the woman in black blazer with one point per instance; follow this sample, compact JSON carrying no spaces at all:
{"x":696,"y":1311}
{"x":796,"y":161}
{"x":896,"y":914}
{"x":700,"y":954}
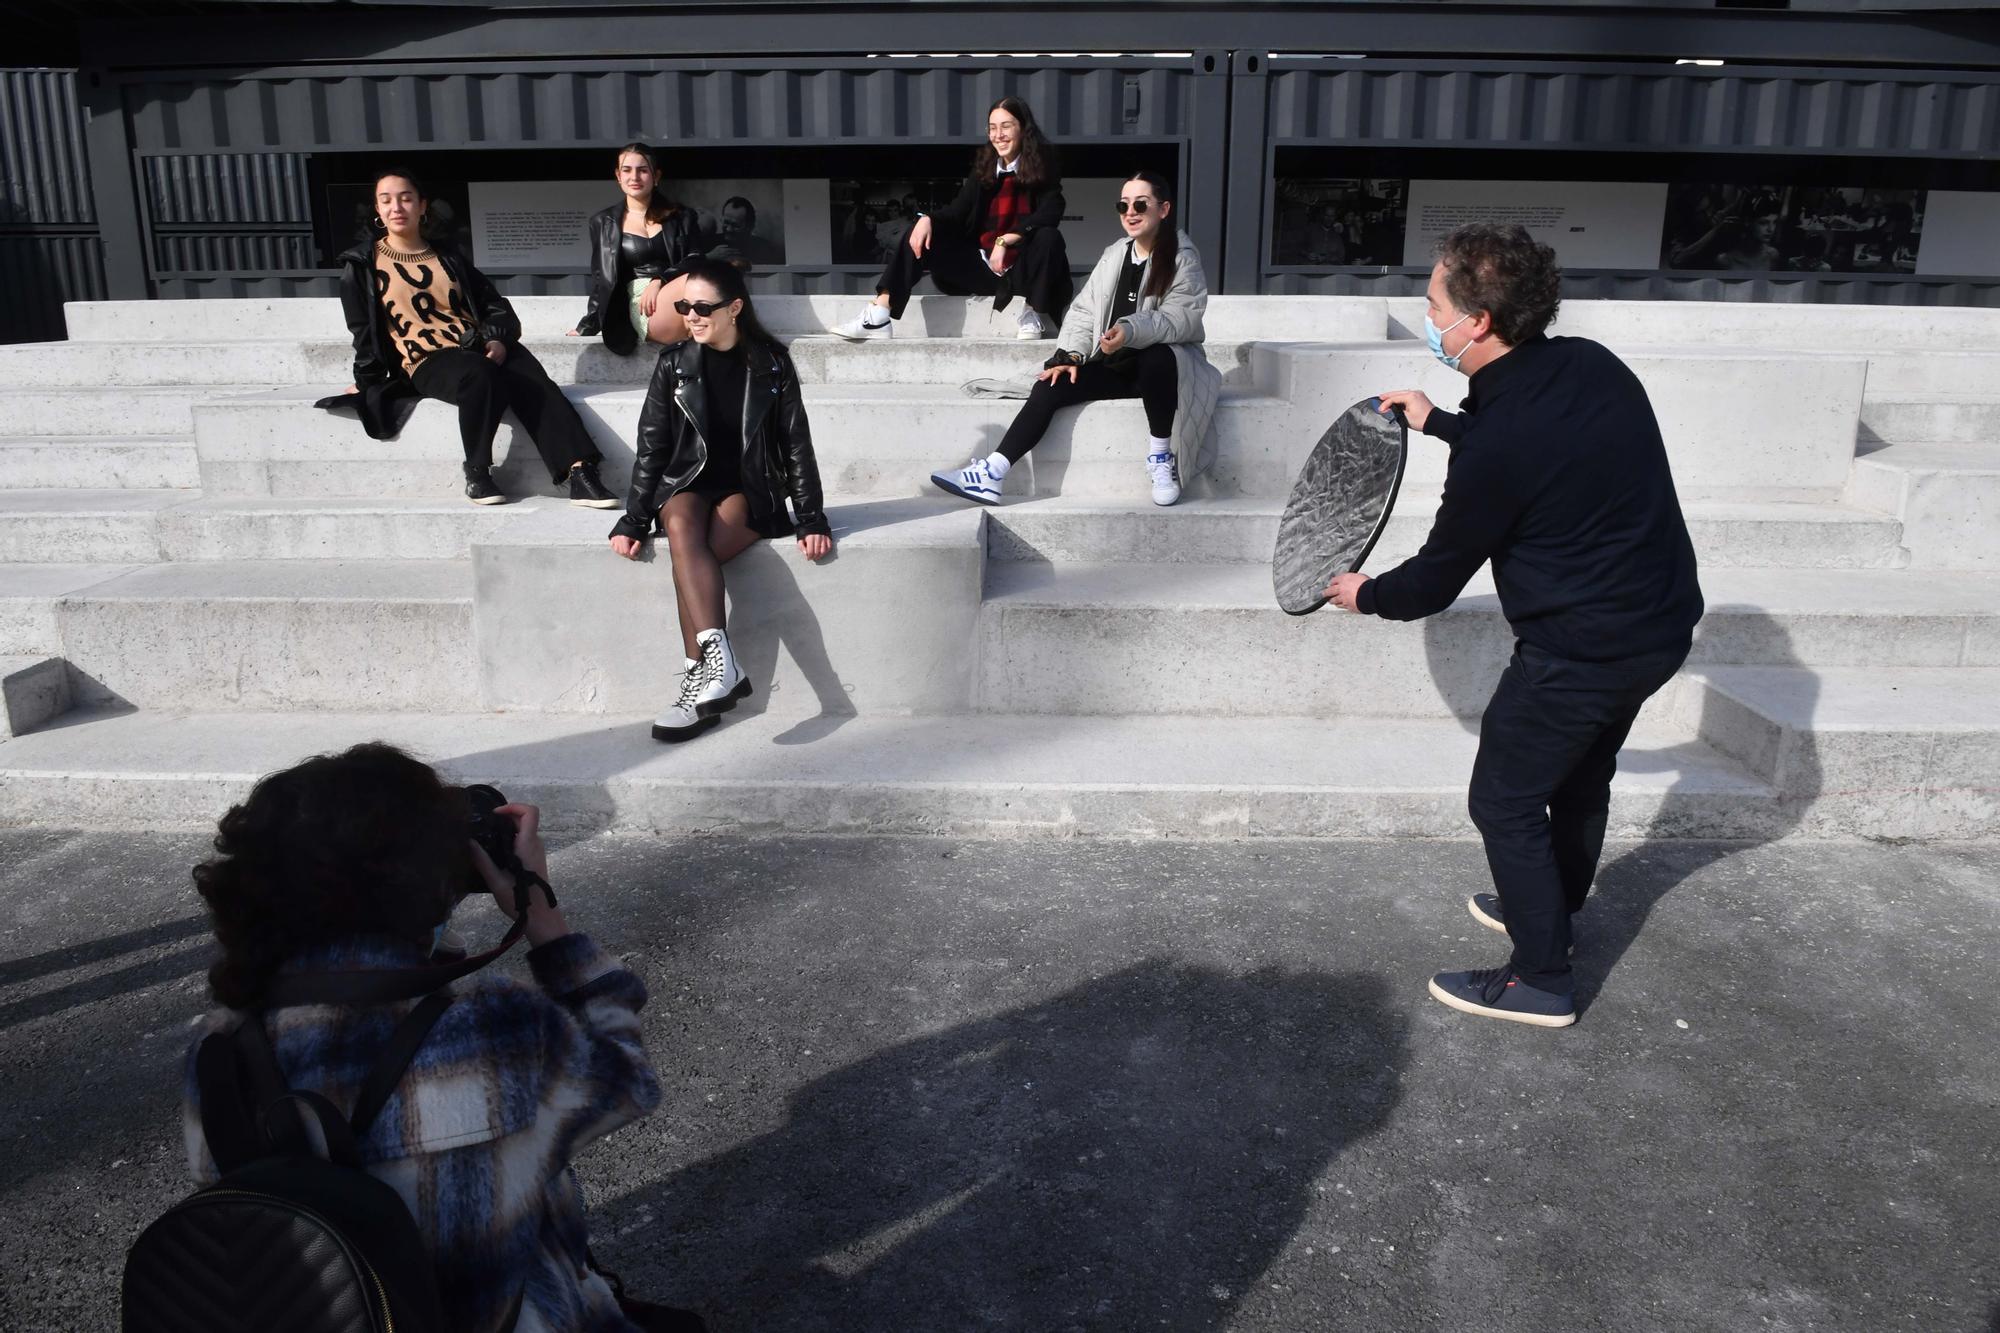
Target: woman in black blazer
{"x":1000,"y":237}
{"x":724,"y":450}
{"x":639,"y":248}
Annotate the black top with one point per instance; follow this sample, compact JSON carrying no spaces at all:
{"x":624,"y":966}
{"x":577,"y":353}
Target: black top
{"x":638,"y":253}
{"x":1125,"y":300}
{"x":723,"y":375}
{"x":1558,"y":475}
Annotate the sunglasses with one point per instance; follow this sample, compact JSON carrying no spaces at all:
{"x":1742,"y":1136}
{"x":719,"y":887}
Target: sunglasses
{"x":702,"y":308}
{"x":1138,"y":206}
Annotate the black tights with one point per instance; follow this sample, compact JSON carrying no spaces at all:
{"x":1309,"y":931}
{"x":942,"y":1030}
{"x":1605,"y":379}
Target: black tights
{"x":1151,"y":374}
{"x":703,"y":535}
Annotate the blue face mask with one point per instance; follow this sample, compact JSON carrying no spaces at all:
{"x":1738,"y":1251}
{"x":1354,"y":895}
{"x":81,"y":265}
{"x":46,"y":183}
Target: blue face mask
{"x":1435,"y":337}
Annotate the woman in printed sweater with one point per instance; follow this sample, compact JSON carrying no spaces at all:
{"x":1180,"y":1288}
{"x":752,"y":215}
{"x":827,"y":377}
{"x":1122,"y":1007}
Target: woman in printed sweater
{"x":639,"y":251}
{"x":723,"y":447}
{"x":998,"y":238}
{"x":427,"y":324}
{"x":356,"y":861}
{"x":1135,"y":332}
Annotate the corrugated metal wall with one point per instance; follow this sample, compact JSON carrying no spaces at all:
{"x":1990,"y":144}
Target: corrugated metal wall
{"x":49,"y":247}
{"x":879,"y":101}
{"x":1386,"y":103}
{"x":228,"y":213}
{"x":1585,"y":284}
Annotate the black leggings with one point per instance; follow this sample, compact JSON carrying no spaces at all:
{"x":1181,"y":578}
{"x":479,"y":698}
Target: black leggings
{"x":484,"y":391}
{"x":1150,"y":374}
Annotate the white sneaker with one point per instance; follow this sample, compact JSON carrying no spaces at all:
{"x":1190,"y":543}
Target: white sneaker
{"x":859,"y":329}
{"x":719,"y":682}
{"x":1166,"y":477}
{"x":681,"y":721}
{"x":975,"y":482}
{"x":1030,"y":326}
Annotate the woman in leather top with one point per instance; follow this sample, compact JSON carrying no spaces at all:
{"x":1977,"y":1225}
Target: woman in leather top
{"x":723,"y":445}
{"x":639,"y":249}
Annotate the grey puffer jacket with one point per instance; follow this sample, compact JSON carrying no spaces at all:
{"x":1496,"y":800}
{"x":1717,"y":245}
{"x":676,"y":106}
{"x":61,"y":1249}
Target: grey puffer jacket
{"x":1175,"y":319}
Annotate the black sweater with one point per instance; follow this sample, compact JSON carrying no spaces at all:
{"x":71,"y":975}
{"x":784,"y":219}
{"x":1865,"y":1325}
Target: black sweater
{"x":1559,"y":476}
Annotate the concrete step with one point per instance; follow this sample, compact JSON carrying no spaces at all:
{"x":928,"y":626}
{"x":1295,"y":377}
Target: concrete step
{"x":1062,"y":530}
{"x":31,"y":595}
{"x":1947,"y":497}
{"x":1209,"y":640}
{"x":380,"y":635}
{"x":79,"y":526}
{"x":820,"y":358}
{"x":92,"y":414}
{"x":1901,"y":752}
{"x":33,"y":689}
{"x":1031,"y":776}
{"x":166,"y":461}
{"x":1932,"y":371}
{"x":886,"y":625}
{"x":1229,"y":318}
{"x":1622,"y":324}
{"x":871,"y":440}
{"x":1939,"y":418}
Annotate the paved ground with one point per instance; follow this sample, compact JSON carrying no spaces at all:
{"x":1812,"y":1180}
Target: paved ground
{"x":1046,"y":1086}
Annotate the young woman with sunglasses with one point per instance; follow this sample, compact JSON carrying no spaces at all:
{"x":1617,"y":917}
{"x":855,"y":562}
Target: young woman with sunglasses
{"x":723,"y":445}
{"x":1134,"y":332}
{"x":639,"y":249}
{"x":427,"y":324}
{"x":998,"y":238}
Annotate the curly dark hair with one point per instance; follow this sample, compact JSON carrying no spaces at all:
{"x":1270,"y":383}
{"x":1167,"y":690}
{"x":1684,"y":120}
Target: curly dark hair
{"x":366,"y":842}
{"x":1034,"y":166}
{"x":1502,"y":271}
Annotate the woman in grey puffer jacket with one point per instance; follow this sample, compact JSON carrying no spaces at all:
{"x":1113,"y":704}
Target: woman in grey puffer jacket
{"x":1135,"y":331}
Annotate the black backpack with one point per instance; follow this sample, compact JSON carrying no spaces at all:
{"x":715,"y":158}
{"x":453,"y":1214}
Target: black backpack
{"x":296,"y":1235}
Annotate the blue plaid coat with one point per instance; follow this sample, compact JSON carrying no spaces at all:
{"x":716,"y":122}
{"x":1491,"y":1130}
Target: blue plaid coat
{"x":478,"y":1136}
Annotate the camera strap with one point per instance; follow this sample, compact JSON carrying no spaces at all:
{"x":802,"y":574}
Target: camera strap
{"x":382,"y":985}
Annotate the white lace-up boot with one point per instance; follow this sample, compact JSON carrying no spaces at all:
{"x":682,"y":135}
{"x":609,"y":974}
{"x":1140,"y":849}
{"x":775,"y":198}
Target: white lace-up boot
{"x":720,"y":682}
{"x":682,"y":721}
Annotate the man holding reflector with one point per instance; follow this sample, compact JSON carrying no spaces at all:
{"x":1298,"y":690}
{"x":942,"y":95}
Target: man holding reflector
{"x":1557,"y":475}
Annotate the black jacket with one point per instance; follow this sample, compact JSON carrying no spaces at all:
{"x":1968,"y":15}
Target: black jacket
{"x":778,"y":462}
{"x":685,"y":238}
{"x":1558,"y":475}
{"x":966,"y":211}
{"x":386,"y":396}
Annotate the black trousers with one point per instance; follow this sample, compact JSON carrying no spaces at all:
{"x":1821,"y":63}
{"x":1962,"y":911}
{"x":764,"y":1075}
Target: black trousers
{"x":1150,"y":374}
{"x":485,"y":392}
{"x":1039,"y":273}
{"x":1541,"y":789}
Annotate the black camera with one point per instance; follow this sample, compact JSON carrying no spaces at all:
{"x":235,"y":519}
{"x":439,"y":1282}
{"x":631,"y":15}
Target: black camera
{"x":495,"y":833}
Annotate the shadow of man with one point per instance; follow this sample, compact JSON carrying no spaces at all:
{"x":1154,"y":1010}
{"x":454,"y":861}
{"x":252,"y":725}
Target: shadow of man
{"x":776,"y":614}
{"x":1679,"y":837}
{"x":1132,"y":1152}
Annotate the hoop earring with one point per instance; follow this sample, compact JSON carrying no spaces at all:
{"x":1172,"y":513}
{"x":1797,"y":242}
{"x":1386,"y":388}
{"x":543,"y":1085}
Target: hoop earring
{"x":378,"y":224}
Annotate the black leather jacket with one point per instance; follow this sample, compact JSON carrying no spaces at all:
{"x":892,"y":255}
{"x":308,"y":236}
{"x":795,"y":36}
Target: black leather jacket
{"x":386,"y":395}
{"x":685,"y":239}
{"x":968,"y":207}
{"x":778,"y":462}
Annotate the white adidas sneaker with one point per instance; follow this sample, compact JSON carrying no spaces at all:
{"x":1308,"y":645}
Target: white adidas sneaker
{"x":975,"y":482}
{"x":1166,"y":475}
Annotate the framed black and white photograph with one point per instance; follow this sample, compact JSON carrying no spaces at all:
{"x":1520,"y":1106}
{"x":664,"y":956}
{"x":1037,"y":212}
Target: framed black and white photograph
{"x":1792,"y":229}
{"x":1339,"y":223}
{"x":871,"y":217}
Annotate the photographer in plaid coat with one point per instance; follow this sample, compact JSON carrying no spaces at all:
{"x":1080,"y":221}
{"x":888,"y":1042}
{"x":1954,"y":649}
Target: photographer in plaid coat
{"x":356,"y":860}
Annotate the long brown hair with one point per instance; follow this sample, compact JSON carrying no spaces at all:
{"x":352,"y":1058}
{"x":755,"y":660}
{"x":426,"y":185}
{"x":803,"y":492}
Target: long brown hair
{"x":658,"y":208}
{"x":1034,"y":165}
{"x":1166,"y":241}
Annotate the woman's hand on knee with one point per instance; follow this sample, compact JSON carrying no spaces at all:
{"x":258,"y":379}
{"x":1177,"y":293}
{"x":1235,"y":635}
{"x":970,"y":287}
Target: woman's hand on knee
{"x":1054,"y":374}
{"x":815,"y":546}
{"x":920,"y":237}
{"x":649,"y":300}
{"x":496,"y":351}
{"x":626,"y":546}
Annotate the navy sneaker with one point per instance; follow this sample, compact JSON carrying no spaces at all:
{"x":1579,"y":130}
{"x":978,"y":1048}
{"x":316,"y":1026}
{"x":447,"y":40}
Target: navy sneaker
{"x":1498,"y":993}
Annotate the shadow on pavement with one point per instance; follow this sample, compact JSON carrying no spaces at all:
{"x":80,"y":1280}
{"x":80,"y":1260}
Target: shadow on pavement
{"x":1134,"y":1152}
